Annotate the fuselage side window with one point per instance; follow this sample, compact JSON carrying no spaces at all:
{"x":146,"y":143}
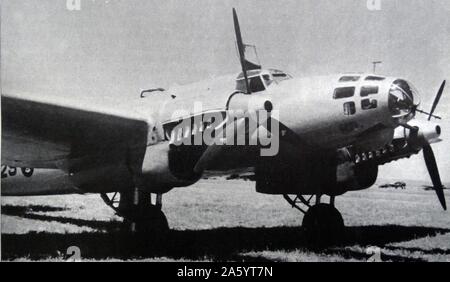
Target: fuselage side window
{"x":349,"y":108}
{"x":344,"y":92}
{"x":368,"y":90}
{"x":375,"y":78}
{"x":368,"y":104}
{"x":349,"y":78}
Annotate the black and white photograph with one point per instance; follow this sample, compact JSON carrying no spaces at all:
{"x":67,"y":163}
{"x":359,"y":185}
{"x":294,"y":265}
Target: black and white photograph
{"x":245,"y":131}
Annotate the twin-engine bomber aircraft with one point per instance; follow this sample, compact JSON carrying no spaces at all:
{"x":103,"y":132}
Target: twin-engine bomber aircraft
{"x":303,"y":138}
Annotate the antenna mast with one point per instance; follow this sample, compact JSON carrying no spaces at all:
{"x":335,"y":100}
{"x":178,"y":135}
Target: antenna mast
{"x":375,"y":63}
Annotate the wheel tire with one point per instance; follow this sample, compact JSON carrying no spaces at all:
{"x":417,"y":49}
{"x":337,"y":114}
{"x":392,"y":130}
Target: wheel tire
{"x":323,"y":226}
{"x":151,"y":221}
{"x":27,"y":172}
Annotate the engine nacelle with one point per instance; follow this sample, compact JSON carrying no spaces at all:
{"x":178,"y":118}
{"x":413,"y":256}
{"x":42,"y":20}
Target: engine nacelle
{"x":427,"y":133}
{"x":311,"y":176}
{"x":352,"y":177}
{"x":166,"y":166}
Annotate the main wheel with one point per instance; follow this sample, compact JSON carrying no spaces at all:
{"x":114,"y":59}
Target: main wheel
{"x":323,"y":226}
{"x":143,"y":217}
{"x":150,"y":220}
{"x":142,"y":232}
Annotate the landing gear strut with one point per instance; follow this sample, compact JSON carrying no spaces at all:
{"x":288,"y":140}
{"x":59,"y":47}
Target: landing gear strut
{"x":139,"y":213}
{"x":322,"y":223}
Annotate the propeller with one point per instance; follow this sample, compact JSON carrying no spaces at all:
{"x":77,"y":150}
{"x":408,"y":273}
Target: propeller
{"x":241,"y":49}
{"x":436,"y":100}
{"x":430,"y":161}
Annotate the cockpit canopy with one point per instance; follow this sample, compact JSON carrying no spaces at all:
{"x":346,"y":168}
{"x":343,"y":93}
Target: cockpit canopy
{"x":259,"y":80}
{"x":401,"y":98}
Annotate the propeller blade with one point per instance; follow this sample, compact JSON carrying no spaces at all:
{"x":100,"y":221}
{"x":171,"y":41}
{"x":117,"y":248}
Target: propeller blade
{"x":430,"y":161}
{"x":436,"y":100}
{"x":241,"y":49}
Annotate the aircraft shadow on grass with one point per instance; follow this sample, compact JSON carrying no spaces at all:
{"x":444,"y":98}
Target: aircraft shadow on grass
{"x":221,"y":244}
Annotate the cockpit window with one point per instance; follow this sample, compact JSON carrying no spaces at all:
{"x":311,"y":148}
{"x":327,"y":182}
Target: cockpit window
{"x":267,"y":80}
{"x":401,"y":98}
{"x":240,"y":85}
{"x":259,"y":80}
{"x":256,"y":84}
{"x":278,"y":77}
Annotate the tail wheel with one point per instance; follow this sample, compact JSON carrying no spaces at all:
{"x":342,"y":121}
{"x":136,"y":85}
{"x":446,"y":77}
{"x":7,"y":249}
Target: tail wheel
{"x":323,"y":226}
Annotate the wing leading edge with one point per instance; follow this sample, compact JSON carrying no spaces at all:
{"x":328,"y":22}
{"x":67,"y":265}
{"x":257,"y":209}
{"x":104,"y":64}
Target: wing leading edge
{"x":58,"y":133}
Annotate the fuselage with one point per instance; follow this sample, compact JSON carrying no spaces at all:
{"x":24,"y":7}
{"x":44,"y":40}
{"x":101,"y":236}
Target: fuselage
{"x":327,"y":112}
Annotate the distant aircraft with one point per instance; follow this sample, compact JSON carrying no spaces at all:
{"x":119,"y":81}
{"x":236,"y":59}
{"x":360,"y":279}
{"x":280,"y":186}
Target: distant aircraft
{"x":328,"y":135}
{"x":396,"y":185}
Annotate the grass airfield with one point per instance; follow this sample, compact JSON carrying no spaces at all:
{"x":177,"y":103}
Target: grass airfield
{"x":226,"y":220}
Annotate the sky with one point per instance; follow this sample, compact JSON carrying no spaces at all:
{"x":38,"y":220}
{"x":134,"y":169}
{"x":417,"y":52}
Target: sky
{"x":112,"y":49}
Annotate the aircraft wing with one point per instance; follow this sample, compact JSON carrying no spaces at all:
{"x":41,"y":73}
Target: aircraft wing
{"x":43,"y":132}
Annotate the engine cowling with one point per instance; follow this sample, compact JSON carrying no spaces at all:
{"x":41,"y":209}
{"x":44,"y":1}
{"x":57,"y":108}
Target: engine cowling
{"x":166,"y":166}
{"x":352,"y":177}
{"x":310,"y":176}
